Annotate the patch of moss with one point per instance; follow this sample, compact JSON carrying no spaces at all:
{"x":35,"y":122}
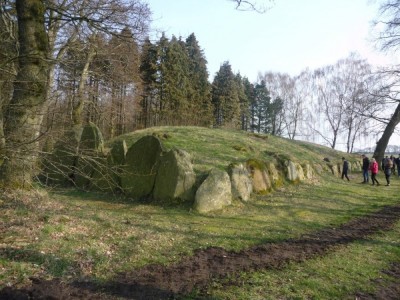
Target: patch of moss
{"x":256,"y":164}
{"x":239,"y":148}
{"x":162,"y":135}
{"x":259,"y":136}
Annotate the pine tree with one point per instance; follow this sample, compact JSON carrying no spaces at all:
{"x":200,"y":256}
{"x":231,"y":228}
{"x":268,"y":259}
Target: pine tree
{"x":225,"y":98}
{"x":250,"y":117}
{"x":199,"y":92}
{"x":263,"y":110}
{"x":242,"y":84}
{"x":148,"y":72}
{"x":275,"y":112}
{"x":175,"y":80}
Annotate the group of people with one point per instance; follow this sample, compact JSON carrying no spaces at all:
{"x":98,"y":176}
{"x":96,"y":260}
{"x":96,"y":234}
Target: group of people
{"x":388,"y":165}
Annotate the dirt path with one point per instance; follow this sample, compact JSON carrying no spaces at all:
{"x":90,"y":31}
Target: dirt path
{"x":160,"y":282}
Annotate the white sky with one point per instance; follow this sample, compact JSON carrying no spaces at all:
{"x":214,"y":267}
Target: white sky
{"x":290,"y":37}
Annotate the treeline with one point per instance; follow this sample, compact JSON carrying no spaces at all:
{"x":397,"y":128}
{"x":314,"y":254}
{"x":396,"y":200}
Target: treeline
{"x":66,"y":63}
{"x":122,"y":81}
{"x":122,"y":85}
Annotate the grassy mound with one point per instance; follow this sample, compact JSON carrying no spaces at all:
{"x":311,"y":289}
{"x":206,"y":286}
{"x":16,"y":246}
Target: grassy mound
{"x":212,"y":148}
{"x":72,"y":234}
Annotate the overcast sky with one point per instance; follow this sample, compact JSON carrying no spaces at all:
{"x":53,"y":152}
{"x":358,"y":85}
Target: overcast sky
{"x":290,"y":37}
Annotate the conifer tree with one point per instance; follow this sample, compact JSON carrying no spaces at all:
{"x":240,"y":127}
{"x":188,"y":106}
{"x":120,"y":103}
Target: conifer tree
{"x":175,"y":80}
{"x":199,"y":92}
{"x":275,"y":113}
{"x":263,"y":111}
{"x":225,"y":98}
{"x":249,"y":91}
{"x":242,"y":84}
{"x":148,"y":72}
{"x":160,"y":99}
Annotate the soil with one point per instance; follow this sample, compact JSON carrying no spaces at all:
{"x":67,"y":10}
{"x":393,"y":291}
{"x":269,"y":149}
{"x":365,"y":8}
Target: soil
{"x":195,"y":272}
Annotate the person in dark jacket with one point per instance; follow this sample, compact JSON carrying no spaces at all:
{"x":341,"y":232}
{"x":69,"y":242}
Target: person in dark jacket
{"x":398,"y":165}
{"x":345,"y":169}
{"x":365,"y":168}
{"x":387,"y":168}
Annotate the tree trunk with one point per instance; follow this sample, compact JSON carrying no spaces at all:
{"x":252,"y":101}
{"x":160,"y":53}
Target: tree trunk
{"x":387,"y":133}
{"x":23,"y":115}
{"x":77,"y":111}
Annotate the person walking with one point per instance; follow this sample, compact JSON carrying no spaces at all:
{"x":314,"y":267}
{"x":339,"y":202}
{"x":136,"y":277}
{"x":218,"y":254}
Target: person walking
{"x":387,"y":168}
{"x":398,"y":165}
{"x":365,"y":168}
{"x":345,"y":169}
{"x":393,"y":164}
{"x":374,"y":170}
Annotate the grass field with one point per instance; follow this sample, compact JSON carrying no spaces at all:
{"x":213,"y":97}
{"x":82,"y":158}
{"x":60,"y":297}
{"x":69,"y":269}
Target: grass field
{"x":72,"y":234}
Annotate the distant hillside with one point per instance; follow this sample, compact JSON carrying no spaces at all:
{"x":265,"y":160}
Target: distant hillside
{"x":391,"y":149}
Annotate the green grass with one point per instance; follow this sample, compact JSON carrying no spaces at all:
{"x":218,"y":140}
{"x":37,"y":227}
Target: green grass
{"x":219,"y":147}
{"x":338,"y":275}
{"x":72,"y":234}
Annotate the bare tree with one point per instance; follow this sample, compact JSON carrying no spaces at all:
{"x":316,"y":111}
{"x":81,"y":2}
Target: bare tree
{"x":259,"y":6}
{"x":22,"y":117}
{"x":386,"y":92}
{"x":46,"y":30}
{"x":358,"y":104}
{"x":389,"y":39}
{"x":331,"y":104}
{"x":292,"y":92}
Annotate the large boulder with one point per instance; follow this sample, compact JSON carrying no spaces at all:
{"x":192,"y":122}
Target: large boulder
{"x":91,"y":139}
{"x":107,"y":176}
{"x":59,"y":166}
{"x":294,"y":171}
{"x":104,"y":177}
{"x":175,"y":177}
{"x":141,"y":165}
{"x":261,"y":181}
{"x":335,"y":169}
{"x":308,"y":171}
{"x":214,"y":193}
{"x":118,"y":153}
{"x":318,"y":168}
{"x":90,"y":156}
{"x":242,"y":186}
{"x":274,"y":175}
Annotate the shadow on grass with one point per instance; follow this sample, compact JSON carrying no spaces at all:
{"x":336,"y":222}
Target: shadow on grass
{"x":53,"y":265}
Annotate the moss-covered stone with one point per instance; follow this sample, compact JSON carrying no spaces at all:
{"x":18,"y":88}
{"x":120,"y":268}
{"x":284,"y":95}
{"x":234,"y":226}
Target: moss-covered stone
{"x":83,"y":172}
{"x":276,"y":177}
{"x":91,"y":139}
{"x":214,"y":193}
{"x":261,"y":181}
{"x":118,"y":153}
{"x":59,"y":166}
{"x":256,"y":164}
{"x":242,"y":186}
{"x":294,"y":171}
{"x":141,"y":165}
{"x":175,"y":177}
{"x":106,"y":175}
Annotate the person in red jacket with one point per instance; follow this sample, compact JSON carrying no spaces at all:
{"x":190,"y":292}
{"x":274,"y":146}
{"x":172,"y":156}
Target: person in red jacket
{"x":374,"y":170}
